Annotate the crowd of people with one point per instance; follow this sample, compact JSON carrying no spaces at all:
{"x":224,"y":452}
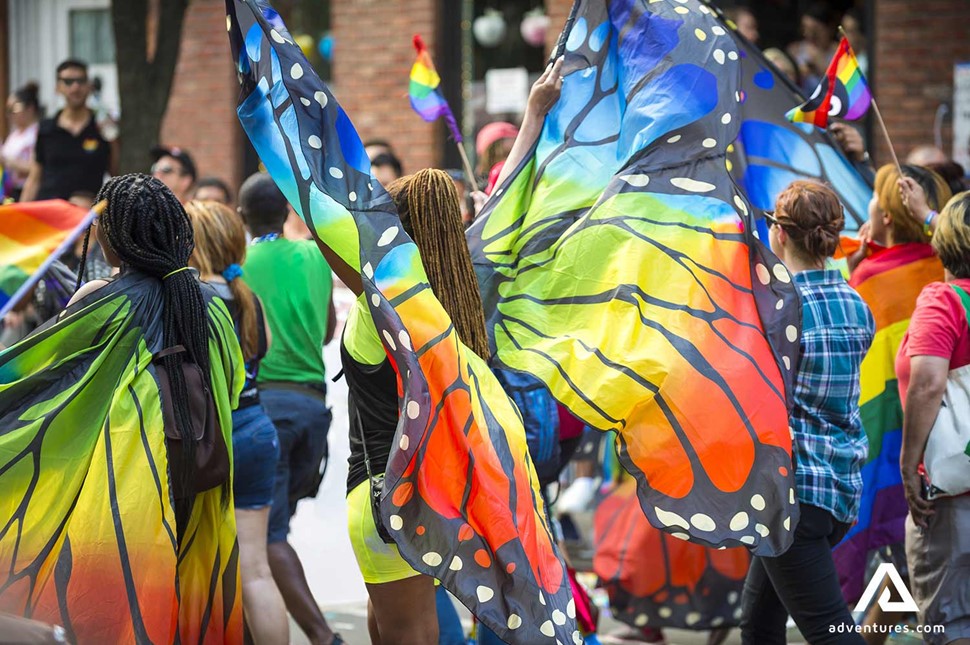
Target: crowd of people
{"x":201,"y":240}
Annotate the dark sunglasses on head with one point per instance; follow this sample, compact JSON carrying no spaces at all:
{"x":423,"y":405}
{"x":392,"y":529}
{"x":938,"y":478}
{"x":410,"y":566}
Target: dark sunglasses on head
{"x":70,"y":82}
{"x":770,"y":217}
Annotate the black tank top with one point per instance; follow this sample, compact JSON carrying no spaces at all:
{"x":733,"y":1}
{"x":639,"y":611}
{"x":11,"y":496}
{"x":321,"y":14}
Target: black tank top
{"x":249,"y":395}
{"x":372,"y":406}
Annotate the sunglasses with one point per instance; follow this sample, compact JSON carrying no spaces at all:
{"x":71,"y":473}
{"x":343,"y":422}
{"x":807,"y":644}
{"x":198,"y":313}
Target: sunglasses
{"x":770,"y":218}
{"x":165,"y":170}
{"x":71,"y":82}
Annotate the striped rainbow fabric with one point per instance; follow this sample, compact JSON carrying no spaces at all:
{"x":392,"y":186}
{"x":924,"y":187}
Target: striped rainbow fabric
{"x":426,"y":100}
{"x":29,"y":233}
{"x":842,"y":93}
{"x":889,"y":281}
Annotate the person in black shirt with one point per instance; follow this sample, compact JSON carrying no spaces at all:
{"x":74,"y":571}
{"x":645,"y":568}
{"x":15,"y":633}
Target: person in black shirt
{"x":71,"y":154}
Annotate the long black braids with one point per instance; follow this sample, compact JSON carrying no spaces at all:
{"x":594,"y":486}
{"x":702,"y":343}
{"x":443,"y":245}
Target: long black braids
{"x":149,"y":231}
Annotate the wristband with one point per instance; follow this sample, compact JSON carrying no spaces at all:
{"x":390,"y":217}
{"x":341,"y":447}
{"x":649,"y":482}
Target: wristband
{"x":928,"y":222}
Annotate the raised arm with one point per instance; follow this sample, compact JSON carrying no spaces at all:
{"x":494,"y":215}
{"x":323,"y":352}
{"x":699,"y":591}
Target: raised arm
{"x":544,"y":94}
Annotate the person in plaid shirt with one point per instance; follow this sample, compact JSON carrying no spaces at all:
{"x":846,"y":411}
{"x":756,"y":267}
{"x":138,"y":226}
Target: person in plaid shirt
{"x":829,"y":444}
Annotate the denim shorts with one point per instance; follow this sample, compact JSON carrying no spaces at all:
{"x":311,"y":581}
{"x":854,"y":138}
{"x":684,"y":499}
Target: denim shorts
{"x":255,"y":451}
{"x":302,"y":421}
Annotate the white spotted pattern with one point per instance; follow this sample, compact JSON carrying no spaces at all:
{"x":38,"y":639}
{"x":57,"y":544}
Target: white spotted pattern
{"x":404,"y":443}
{"x":396,"y":522}
{"x":719,"y":56}
{"x":762,"y":530}
{"x":781,"y":273}
{"x":709,"y":142}
{"x":305,"y":101}
{"x":388,"y":236}
{"x":571,"y":608}
{"x":758,"y":502}
{"x":739,"y":522}
{"x":405,"y":339}
{"x":636,"y":180}
{"x":296,"y":72}
{"x":558,"y":617}
{"x":641,"y":620}
{"x":726,"y":118}
{"x":671,"y":519}
{"x":717,"y":30}
{"x":413,"y":409}
{"x":455,"y":564}
{"x":674,"y":139}
{"x":547,"y":629}
{"x":787,"y":362}
{"x":336,"y":173}
{"x":484,"y":593}
{"x":375,"y":300}
{"x":692,"y":185}
{"x":389,"y":340}
{"x":515,"y":621}
{"x":275,"y":35}
{"x":352,"y":196}
{"x":320,"y":97}
{"x":791,"y":333}
{"x":665,"y":612}
{"x":431,"y":559}
{"x":314,"y":142}
{"x":703,"y":522}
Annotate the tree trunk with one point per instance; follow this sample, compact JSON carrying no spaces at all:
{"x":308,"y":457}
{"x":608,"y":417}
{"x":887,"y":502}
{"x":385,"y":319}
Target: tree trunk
{"x":144,"y":85}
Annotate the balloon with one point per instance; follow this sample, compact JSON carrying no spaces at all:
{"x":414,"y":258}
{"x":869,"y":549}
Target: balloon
{"x":325,"y":47}
{"x":489,"y":29}
{"x":305,"y":43}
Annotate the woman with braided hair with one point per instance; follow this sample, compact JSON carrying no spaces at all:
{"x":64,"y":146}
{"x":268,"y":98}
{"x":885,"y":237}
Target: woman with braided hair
{"x":220,"y":249}
{"x":115,"y":453}
{"x":402,"y":601}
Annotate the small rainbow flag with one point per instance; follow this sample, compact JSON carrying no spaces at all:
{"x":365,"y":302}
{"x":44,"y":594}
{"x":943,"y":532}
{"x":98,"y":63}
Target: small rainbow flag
{"x":29,"y":234}
{"x":843,"y":92}
{"x":423,"y":90}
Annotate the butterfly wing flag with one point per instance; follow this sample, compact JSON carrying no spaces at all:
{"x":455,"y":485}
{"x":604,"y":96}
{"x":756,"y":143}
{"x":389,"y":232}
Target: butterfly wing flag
{"x":461,"y":496}
{"x":423,"y":91}
{"x":842,"y":93}
{"x":653,"y":579}
{"x":29,"y":234}
{"x":771,"y":151}
{"x":618,"y":264}
{"x":87,"y":523}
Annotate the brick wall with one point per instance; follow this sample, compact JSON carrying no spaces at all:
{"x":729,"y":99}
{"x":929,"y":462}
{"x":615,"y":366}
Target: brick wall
{"x":917,"y":44}
{"x":372,"y":61}
{"x":558,"y":11}
{"x":201,"y":114}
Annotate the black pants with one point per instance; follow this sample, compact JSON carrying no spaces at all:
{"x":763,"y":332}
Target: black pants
{"x":801,"y":582}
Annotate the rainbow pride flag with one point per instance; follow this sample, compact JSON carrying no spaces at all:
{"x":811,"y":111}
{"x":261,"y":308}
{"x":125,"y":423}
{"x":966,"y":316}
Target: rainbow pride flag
{"x":889,"y":281}
{"x":426,"y":100}
{"x":843,"y":92}
{"x":29,"y":234}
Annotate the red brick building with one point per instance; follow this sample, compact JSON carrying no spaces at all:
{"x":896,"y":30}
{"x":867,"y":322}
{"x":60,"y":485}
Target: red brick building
{"x":915,"y":45}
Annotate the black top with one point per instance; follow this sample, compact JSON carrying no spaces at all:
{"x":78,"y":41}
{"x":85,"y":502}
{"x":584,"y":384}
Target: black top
{"x":71,"y":163}
{"x":372,"y":406}
{"x":249,"y":395}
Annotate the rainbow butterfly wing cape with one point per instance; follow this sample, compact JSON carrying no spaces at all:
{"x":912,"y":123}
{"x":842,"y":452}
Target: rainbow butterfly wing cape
{"x":842,"y":93}
{"x":461,"y":496}
{"x":619,"y":265}
{"x":771,"y":151}
{"x":87,"y":527}
{"x":653,"y":579}
{"x":29,"y":233}
{"x":889,"y":281}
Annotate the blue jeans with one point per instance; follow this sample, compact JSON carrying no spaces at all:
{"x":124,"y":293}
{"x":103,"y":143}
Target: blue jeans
{"x":302,"y":422}
{"x":255,"y":450}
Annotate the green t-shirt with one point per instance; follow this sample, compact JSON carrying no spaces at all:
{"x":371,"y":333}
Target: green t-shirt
{"x":295,"y":284}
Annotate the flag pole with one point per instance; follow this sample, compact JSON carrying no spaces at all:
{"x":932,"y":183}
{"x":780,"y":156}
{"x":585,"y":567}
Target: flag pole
{"x":469,"y":173}
{"x":885,"y":132}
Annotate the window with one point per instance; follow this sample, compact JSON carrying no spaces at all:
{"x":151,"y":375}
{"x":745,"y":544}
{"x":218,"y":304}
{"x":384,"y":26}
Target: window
{"x":92,"y":36}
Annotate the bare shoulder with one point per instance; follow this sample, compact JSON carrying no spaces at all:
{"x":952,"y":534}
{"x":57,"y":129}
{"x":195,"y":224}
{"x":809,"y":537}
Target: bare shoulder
{"x":86,"y":289}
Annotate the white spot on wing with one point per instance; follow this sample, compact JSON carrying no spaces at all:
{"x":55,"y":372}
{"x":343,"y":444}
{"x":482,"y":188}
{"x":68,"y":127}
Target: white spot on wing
{"x":692,"y":185}
{"x":388,"y":236}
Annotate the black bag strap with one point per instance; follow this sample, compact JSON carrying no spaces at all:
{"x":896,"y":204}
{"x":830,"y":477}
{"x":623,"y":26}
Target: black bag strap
{"x":168,"y":351}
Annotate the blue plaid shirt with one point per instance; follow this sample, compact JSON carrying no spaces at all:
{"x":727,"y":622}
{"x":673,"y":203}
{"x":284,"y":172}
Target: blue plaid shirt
{"x":830,"y":445}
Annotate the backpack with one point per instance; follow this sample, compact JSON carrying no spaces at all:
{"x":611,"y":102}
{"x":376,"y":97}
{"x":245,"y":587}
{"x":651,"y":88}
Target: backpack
{"x":540,"y":417}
